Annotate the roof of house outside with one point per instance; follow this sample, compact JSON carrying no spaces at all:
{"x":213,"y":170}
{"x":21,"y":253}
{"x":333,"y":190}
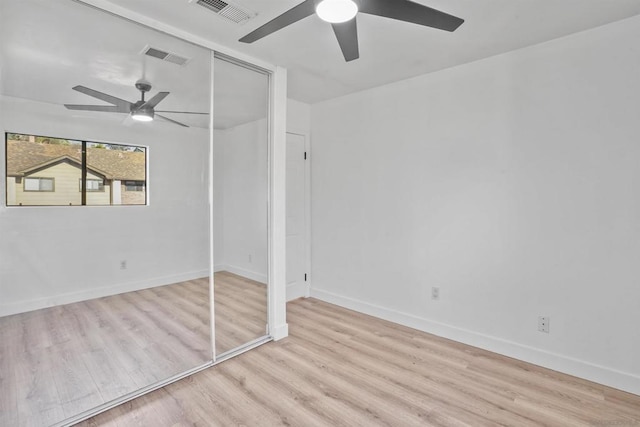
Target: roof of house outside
{"x":24,"y":156}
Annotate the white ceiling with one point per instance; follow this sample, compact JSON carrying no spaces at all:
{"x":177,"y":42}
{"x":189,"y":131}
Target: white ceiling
{"x":389,"y":50}
{"x":49,"y":46}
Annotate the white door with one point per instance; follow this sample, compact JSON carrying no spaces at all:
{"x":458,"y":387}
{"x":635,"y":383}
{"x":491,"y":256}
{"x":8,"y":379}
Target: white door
{"x":296,"y":217}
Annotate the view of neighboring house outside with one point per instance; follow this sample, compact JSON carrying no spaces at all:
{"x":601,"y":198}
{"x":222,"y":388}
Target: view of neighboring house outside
{"x":45,"y":171}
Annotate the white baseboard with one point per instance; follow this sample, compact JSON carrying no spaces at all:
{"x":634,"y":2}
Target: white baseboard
{"x":104,"y":291}
{"x":258,"y":277}
{"x":280,"y":331}
{"x":300,"y":290}
{"x":579,"y":368}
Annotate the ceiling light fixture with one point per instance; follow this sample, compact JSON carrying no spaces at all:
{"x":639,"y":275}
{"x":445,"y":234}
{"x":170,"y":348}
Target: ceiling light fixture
{"x":142,"y":115}
{"x":336,"y":11}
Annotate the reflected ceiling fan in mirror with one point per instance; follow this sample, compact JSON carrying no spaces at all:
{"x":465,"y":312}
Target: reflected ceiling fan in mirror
{"x":143,"y":111}
{"x":341,"y":14}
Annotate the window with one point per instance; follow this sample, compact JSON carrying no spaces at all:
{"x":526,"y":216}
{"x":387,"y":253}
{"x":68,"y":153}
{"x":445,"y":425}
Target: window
{"x":39,"y":184}
{"x":92,"y":184}
{"x":134,"y":185}
{"x":51,"y":171}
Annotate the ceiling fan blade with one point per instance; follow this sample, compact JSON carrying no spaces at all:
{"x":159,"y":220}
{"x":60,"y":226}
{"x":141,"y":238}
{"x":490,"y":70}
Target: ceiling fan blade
{"x":155,"y":100}
{"x":408,"y":11}
{"x":347,"y":35}
{"x":301,"y":11}
{"x":171,"y":120}
{"x":180,"y":112}
{"x":103,"y":108}
{"x":103,"y":96}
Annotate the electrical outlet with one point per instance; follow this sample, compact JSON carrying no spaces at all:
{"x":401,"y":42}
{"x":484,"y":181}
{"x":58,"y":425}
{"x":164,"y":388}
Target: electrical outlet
{"x":123,"y":265}
{"x":435,"y":293}
{"x":543,"y":324}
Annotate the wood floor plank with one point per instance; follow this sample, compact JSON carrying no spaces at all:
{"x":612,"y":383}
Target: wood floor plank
{"x":8,"y":386}
{"x":38,"y":400}
{"x":427,"y":377}
{"x":492,"y":383}
{"x":241,"y":310}
{"x":339,"y":367}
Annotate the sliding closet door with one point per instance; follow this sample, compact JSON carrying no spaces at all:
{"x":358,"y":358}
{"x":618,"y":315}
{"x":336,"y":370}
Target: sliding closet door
{"x":241,"y":182}
{"x":104,"y":219}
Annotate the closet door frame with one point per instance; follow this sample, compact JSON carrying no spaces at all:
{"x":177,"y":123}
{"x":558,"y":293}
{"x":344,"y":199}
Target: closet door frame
{"x":276,"y":206}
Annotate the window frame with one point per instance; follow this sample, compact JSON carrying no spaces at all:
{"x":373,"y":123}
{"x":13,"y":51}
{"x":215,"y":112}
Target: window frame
{"x":84,"y":143}
{"x":89,"y":190}
{"x":40,"y":179}
{"x":137,"y":184}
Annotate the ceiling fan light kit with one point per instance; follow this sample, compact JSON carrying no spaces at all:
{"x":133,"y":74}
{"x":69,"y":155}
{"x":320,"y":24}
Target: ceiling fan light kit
{"x":142,"y":115}
{"x":344,"y":24}
{"x":142,"y":111}
{"x":336,"y":11}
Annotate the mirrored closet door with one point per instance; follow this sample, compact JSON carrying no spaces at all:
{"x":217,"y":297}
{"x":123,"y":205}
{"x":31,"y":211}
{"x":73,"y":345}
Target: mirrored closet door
{"x":240,"y":203}
{"x":104,"y":222}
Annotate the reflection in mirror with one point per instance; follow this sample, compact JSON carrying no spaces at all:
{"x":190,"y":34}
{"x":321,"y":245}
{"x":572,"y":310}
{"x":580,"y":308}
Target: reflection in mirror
{"x":240,"y":168}
{"x":47,"y":171}
{"x":104,"y":219}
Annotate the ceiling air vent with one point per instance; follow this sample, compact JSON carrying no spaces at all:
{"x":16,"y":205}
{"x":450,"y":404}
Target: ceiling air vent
{"x":226,"y":10}
{"x":164,"y":55}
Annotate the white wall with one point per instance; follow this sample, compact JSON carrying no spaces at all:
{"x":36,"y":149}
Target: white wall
{"x":242,"y":188}
{"x":513,"y":184}
{"x":53,"y":255}
{"x":298,"y":117}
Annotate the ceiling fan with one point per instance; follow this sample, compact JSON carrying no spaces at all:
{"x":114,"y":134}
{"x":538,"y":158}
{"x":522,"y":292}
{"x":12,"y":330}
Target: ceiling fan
{"x":341,"y":14}
{"x":141,"y":110}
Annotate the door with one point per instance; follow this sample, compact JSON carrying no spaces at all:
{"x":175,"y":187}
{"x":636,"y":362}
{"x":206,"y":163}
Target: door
{"x":240,"y":205}
{"x":296,"y":217}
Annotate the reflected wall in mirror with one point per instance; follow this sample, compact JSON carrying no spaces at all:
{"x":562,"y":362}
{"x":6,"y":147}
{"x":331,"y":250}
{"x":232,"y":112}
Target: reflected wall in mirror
{"x":98,"y":302}
{"x":241,"y":180}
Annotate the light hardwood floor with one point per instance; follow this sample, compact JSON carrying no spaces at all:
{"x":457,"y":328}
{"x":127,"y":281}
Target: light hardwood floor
{"x":240,"y":310}
{"x":60,"y":361}
{"x":341,"y":368}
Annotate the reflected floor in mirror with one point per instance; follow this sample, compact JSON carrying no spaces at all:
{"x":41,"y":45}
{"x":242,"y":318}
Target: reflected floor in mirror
{"x":240,"y":310}
{"x":60,"y":361}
